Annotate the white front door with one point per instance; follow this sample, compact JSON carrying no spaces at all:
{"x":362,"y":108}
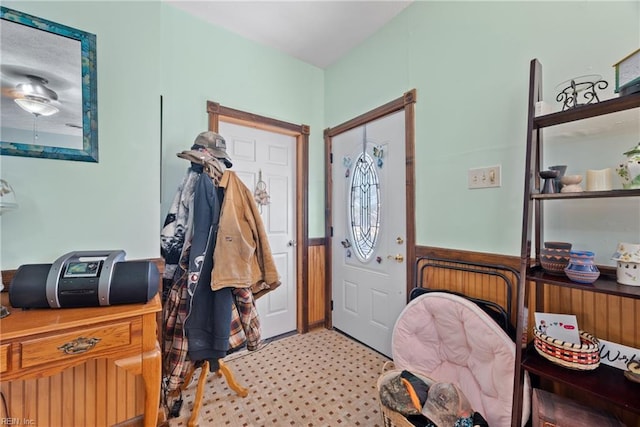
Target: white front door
{"x":267,"y":159}
{"x":369,"y":230}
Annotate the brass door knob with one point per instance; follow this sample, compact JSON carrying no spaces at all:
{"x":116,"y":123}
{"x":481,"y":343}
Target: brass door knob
{"x":398,"y":257}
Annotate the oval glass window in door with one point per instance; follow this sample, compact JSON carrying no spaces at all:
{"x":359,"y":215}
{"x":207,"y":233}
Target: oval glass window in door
{"x":364,"y":207}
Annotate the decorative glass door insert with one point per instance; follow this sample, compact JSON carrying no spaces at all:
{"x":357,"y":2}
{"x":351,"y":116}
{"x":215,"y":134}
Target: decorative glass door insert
{"x":364,"y":207}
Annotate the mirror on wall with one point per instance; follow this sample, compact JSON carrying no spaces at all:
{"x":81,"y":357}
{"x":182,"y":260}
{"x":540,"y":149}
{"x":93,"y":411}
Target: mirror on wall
{"x":49,"y":89}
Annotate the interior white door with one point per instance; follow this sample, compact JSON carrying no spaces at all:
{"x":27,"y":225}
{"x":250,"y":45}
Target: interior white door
{"x":262,"y":158}
{"x":369,"y":230}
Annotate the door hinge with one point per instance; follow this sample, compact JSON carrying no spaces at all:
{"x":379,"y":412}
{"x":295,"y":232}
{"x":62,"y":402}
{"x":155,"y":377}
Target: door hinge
{"x":331,"y":231}
{"x":331,"y":305}
{"x":331,"y":158}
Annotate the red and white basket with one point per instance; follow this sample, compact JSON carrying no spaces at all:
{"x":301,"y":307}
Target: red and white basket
{"x":582,"y":357}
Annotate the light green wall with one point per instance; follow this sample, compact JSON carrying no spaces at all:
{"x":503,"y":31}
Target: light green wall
{"x":469,"y":62}
{"x":147,"y":49}
{"x":202,"y":62}
{"x":113,"y":204}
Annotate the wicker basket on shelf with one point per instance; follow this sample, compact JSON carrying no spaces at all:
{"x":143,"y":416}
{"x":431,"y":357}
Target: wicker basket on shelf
{"x":582,"y":357}
{"x":390,"y":417}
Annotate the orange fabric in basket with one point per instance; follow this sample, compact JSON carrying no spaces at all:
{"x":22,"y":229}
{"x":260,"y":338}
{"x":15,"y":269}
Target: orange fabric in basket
{"x":412,"y":394}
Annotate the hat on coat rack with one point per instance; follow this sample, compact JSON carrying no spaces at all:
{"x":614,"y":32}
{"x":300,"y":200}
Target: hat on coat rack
{"x":214,"y":144}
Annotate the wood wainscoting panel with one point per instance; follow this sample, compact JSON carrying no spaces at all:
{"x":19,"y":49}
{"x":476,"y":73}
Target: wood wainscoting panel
{"x":316,"y":282}
{"x":608,"y":317}
{"x":96,"y":393}
{"x":476,"y":285}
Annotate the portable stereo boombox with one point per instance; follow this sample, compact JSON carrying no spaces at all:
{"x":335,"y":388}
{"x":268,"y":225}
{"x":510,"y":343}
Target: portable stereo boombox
{"x":84,"y":279}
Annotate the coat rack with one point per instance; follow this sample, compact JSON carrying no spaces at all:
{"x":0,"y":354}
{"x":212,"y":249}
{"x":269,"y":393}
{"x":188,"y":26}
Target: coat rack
{"x":204,"y":369}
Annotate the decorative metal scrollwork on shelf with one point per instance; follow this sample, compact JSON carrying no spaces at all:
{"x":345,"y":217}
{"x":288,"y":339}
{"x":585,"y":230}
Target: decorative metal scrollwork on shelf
{"x":580,"y":89}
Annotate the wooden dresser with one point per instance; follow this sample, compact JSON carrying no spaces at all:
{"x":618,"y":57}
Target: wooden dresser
{"x":39,"y":343}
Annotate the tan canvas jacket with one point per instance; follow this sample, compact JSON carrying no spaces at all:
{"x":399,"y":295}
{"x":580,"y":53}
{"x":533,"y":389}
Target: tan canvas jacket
{"x":242,"y":256}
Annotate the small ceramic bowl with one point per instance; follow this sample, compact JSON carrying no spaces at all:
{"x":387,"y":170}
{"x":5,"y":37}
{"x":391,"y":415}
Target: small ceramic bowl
{"x":582,"y":276}
{"x":571,"y":179}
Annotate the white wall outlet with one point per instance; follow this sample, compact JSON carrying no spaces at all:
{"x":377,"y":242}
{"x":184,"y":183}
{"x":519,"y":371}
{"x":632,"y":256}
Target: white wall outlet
{"x":487,"y":177}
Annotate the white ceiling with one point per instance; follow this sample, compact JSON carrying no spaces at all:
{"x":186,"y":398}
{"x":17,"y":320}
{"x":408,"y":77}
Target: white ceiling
{"x":317,"y":32}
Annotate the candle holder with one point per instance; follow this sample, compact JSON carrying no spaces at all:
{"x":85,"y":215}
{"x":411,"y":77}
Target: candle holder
{"x":549,"y":177}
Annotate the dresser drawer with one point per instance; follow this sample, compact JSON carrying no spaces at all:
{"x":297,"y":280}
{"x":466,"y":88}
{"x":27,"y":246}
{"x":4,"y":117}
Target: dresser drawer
{"x":4,"y":357}
{"x":50,"y":349}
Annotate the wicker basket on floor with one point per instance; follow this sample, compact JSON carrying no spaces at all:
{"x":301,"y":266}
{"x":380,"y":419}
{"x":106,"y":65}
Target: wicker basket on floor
{"x":390,"y":417}
{"x":581,"y":357}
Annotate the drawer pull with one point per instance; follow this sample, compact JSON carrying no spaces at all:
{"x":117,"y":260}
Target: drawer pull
{"x":79,"y":345}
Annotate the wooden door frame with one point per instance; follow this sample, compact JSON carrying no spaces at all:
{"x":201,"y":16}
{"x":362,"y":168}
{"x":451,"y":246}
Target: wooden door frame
{"x":217,"y":113}
{"x":407,"y":103}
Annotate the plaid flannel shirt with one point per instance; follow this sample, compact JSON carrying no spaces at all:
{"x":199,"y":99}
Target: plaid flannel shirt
{"x":245,"y":328}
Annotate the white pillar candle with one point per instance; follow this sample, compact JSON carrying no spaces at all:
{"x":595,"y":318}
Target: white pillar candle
{"x":599,"y":180}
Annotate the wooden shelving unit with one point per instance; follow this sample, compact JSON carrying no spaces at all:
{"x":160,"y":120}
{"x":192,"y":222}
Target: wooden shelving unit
{"x":586,"y":195}
{"x":605,"y":383}
{"x":587,"y":111}
{"x":605,"y":284}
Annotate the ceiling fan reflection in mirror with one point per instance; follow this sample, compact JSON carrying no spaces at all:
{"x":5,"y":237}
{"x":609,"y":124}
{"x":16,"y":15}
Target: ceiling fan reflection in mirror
{"x":36,"y":98}
{"x":48,"y":97}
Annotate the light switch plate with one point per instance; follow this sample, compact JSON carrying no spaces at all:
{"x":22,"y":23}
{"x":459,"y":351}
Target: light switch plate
{"x":487,"y":177}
